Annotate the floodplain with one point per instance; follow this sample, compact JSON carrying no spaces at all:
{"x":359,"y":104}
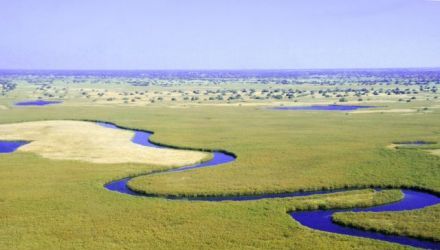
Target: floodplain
{"x":53,"y":193}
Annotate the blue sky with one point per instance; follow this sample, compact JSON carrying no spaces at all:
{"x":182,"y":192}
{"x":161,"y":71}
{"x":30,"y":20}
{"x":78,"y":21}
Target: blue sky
{"x":219,"y":34}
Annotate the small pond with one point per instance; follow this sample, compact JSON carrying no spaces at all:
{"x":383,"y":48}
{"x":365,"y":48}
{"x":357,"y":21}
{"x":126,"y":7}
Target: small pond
{"x":332,"y":107}
{"x":37,"y":103}
{"x":414,"y":143}
{"x":10,"y":146}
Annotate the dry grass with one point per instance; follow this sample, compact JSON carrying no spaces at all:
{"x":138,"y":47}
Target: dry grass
{"x":394,"y":146}
{"x":435,"y":151}
{"x":86,"y":141}
{"x":383,"y":111}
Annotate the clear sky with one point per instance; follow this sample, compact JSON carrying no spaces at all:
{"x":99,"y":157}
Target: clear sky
{"x":219,"y":34}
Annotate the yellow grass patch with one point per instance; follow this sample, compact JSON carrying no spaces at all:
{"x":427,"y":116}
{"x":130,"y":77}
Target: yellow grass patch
{"x":435,"y":152}
{"x":431,"y":151}
{"x":87,"y":141}
{"x":391,"y":146}
{"x":383,"y":111}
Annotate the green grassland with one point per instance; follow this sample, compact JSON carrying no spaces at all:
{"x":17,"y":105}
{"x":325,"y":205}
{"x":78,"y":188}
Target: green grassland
{"x":421,"y":223}
{"x":62,"y":204}
{"x":329,"y":150}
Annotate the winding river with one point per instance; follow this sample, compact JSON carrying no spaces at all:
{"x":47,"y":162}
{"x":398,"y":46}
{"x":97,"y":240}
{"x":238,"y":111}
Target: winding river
{"x":316,"y":219}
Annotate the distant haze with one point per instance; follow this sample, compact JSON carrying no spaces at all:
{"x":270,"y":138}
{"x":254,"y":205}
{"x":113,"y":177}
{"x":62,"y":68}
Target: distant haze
{"x":219,"y":34}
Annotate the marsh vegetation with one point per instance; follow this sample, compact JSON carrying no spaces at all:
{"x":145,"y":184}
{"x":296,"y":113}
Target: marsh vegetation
{"x":277,"y":152}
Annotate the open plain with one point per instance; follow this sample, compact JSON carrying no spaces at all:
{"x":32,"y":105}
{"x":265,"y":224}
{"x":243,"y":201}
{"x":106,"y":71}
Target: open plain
{"x":53,"y":193}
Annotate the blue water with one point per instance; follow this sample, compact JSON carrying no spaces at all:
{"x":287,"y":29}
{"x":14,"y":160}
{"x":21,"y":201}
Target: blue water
{"x":322,"y":219}
{"x":121,"y":185}
{"x":317,"y":219}
{"x":143,"y":138}
{"x":37,"y":103}
{"x":414,"y":143}
{"x":140,"y":137}
{"x":10,"y":146}
{"x":325,"y":107}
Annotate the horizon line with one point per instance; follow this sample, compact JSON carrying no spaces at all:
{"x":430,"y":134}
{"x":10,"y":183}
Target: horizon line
{"x":226,"y":69}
